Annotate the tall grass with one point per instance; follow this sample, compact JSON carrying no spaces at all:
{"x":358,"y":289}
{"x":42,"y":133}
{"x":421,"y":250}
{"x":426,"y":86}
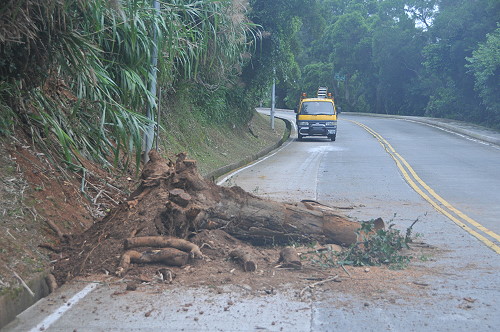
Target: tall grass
{"x":83,"y":67}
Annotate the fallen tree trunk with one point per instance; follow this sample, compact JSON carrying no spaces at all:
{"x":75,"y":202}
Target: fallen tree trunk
{"x":174,"y":201}
{"x":262,"y":222}
{"x":191,"y":203}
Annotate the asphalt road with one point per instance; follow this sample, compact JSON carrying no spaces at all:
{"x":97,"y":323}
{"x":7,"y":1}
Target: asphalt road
{"x":458,"y":175}
{"x":378,"y":167}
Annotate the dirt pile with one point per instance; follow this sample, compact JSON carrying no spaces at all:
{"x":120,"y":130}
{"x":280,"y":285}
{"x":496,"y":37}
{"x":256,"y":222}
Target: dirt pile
{"x":174,"y":201}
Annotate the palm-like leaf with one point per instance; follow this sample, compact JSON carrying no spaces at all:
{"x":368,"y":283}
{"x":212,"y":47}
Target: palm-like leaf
{"x":101,"y":50}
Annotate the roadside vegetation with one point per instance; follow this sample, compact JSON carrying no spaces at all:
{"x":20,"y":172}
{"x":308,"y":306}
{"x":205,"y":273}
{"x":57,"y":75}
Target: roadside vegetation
{"x":76,"y":74}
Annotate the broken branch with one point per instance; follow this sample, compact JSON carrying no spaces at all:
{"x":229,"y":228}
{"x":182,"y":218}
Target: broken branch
{"x":311,"y":286}
{"x":245,"y":260}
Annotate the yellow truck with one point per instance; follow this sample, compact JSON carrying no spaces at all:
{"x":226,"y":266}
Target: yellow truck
{"x":317,"y":116}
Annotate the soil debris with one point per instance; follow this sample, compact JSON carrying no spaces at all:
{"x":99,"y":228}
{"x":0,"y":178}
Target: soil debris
{"x":174,"y":212}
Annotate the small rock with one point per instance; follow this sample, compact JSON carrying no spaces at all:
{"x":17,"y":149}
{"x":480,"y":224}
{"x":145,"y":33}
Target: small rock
{"x":269,"y":291}
{"x":367,"y":269}
{"x":131,"y":286}
{"x":248,"y":288}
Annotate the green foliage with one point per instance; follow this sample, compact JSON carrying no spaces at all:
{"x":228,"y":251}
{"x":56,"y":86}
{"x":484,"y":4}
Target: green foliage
{"x":407,"y":57}
{"x":276,"y":53}
{"x":375,"y":247}
{"x":378,"y":247}
{"x":485,"y":66}
{"x":397,"y":61}
{"x":7,"y":114}
{"x":316,"y":74}
{"x":223,"y":106}
{"x":456,"y":31}
{"x":444,"y":102}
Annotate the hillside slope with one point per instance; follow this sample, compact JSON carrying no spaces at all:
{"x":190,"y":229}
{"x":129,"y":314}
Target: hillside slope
{"x":41,"y":202}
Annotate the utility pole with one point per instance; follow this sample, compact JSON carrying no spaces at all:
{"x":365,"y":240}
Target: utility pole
{"x":149,"y":133}
{"x":273,"y":99}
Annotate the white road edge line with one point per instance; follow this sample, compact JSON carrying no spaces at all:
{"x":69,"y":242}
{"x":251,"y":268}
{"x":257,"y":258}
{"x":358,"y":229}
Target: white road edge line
{"x":52,"y":318}
{"x":252,"y":164}
{"x":455,"y":133}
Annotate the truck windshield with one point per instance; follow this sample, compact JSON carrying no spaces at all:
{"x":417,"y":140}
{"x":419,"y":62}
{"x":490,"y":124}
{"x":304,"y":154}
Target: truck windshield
{"x":316,"y":107}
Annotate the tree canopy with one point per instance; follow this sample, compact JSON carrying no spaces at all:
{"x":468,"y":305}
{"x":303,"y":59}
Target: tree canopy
{"x":412,"y":57}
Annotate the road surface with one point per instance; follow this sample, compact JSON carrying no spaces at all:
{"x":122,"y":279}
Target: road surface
{"x":382,"y":164}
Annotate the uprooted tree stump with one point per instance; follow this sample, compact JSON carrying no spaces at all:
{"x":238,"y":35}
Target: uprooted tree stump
{"x":174,"y":200}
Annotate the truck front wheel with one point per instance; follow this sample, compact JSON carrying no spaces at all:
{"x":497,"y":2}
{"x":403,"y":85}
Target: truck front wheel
{"x":333,"y":137}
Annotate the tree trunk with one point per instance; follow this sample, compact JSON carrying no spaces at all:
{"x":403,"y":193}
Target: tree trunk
{"x":186,"y":203}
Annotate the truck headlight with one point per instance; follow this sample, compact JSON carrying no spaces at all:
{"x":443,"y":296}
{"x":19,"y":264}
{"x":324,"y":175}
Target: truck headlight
{"x":302,"y":123}
{"x":330,"y":123}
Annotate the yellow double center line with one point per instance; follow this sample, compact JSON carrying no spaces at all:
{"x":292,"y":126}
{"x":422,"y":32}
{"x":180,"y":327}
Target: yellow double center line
{"x":440,"y":204}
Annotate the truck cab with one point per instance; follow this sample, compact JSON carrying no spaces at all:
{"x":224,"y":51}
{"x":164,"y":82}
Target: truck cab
{"x":317,"y":116}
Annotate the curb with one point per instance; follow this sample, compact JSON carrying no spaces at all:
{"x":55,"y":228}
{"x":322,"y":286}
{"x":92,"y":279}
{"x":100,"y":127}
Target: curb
{"x":458,"y":127}
{"x":231,"y":167}
{"x":19,"y":299}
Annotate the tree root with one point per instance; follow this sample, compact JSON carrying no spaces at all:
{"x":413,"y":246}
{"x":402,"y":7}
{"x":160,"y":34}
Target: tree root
{"x":164,"y":242}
